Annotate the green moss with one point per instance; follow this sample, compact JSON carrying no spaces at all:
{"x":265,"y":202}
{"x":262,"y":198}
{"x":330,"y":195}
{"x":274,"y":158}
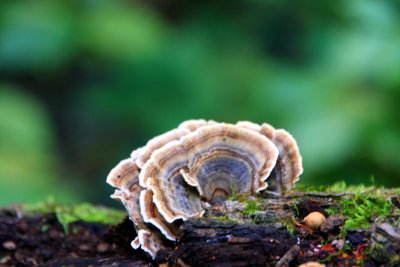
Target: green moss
{"x":338,"y":187}
{"x":339,"y":253}
{"x":67,"y":214}
{"x":363,"y":204}
{"x":310,"y":188}
{"x":44,"y":228}
{"x":378,"y":251}
{"x":395,"y":260}
{"x":296,"y":209}
{"x":289,"y":223}
{"x":224,"y":218}
{"x":238,"y":196}
{"x":363,"y":207}
{"x":250,"y":208}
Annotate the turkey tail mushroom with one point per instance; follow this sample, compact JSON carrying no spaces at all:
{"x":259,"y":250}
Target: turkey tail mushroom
{"x":158,"y":142}
{"x":289,"y":164}
{"x":223,"y":157}
{"x":125,"y":177}
{"x":151,"y":215}
{"x":174,"y":198}
{"x":180,"y":172}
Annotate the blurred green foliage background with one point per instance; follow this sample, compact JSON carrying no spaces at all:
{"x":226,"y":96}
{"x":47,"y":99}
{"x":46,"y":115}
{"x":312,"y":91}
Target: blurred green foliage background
{"x":82,"y":83}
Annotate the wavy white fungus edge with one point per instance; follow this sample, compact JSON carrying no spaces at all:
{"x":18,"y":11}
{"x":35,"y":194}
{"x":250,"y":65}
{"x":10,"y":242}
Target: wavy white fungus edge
{"x":153,"y":243}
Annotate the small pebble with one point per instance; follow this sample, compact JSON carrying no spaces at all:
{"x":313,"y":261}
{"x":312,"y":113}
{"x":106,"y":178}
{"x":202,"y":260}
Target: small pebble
{"x":9,"y":245}
{"x":74,"y":255}
{"x":47,"y":253}
{"x":22,"y":226}
{"x":54,"y":234}
{"x":333,"y":223}
{"x":5,"y":259}
{"x":84,"y":247}
{"x":340,"y":244}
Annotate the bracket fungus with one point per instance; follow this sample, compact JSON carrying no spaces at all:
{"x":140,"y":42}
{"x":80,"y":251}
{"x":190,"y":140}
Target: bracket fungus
{"x":176,"y":175}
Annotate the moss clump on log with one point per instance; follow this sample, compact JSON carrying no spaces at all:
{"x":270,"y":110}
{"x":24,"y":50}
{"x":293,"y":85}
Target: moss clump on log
{"x":67,"y":214}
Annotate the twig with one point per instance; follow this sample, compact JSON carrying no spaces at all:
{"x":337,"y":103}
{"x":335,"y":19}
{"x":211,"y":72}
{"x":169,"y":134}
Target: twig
{"x":319,"y":194}
{"x":289,"y":256}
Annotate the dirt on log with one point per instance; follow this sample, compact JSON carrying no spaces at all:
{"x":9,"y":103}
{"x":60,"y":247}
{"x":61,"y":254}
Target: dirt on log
{"x":250,"y":231}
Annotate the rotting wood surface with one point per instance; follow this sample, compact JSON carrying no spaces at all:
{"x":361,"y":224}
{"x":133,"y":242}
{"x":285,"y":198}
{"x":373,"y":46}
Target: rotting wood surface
{"x":249,"y":231}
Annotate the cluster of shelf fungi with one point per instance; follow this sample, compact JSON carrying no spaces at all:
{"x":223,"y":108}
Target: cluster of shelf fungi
{"x":178,"y":175}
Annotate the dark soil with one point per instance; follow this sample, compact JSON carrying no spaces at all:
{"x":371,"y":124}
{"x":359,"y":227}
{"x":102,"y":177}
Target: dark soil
{"x":40,"y":240}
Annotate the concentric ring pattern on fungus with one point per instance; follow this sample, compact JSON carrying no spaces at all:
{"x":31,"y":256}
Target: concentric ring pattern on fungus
{"x":200,"y":163}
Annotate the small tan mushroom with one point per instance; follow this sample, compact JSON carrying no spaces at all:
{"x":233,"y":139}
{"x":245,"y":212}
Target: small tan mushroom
{"x":314,"y":220}
{"x":312,"y":264}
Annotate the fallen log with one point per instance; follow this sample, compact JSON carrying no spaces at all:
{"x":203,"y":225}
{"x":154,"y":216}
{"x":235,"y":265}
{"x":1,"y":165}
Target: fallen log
{"x":361,"y":229}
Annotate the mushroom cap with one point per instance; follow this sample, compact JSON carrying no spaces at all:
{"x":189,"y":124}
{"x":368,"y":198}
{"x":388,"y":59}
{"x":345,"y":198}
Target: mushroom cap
{"x":161,"y":174}
{"x":264,"y":129}
{"x":288,"y":167}
{"x":159,"y":141}
{"x":143,"y":154}
{"x":124,"y":175}
{"x":149,"y":241}
{"x":179,"y":172}
{"x":193,"y":125}
{"x":225,"y":157}
{"x":151,"y":215}
{"x":215,"y":159}
{"x":289,"y":164}
{"x":130,"y":200}
{"x":249,"y":125}
{"x":267,"y":130}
